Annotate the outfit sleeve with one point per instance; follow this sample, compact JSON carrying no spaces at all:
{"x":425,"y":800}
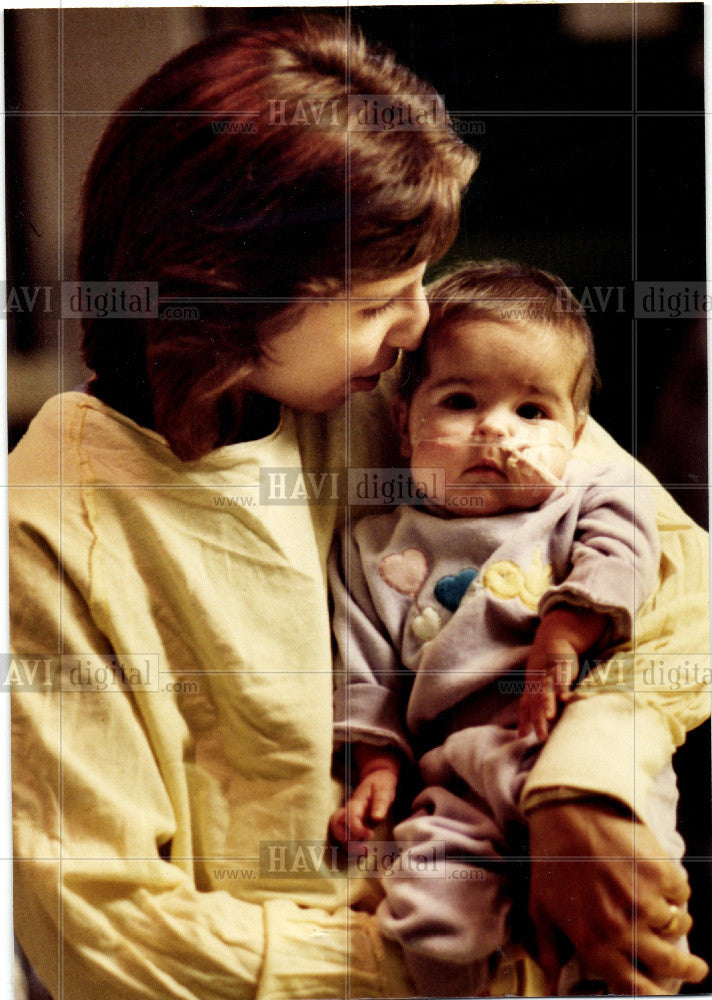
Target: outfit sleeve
{"x":631,"y":712}
{"x":371,"y":686}
{"x":106,"y":901}
{"x":615,"y":554}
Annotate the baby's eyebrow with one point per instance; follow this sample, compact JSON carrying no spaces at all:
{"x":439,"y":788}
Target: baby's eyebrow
{"x":537,"y":390}
{"x":452,"y":380}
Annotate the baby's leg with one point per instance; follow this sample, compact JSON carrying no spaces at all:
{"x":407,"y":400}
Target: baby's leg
{"x":446,"y":898}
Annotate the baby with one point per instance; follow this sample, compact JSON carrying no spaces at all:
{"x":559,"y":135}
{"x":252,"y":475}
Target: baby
{"x":519,"y":560}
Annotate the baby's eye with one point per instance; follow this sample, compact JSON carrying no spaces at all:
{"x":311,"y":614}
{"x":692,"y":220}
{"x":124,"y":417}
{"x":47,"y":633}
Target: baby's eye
{"x":530,"y":411}
{"x":459,"y":401}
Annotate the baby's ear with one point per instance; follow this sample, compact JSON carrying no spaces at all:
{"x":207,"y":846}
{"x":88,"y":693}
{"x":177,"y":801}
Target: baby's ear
{"x":581,"y":418}
{"x":400,"y":413}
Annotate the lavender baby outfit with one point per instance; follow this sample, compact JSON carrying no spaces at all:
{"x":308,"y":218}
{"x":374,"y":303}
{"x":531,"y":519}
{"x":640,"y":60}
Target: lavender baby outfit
{"x":434,"y":618}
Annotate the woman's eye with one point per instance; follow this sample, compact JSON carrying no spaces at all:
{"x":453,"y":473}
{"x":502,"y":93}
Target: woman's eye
{"x":459,"y":401}
{"x":530,"y":411}
{"x":372,"y":311}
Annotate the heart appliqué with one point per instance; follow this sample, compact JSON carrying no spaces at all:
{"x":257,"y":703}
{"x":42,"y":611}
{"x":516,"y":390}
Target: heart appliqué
{"x":450,"y":590}
{"x":427,"y":625}
{"x":404,"y":571}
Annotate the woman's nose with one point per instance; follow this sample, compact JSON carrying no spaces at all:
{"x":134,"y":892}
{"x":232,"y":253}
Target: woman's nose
{"x":408,"y":331}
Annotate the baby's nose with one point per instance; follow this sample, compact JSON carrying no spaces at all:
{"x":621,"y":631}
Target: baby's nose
{"x":494,"y":423}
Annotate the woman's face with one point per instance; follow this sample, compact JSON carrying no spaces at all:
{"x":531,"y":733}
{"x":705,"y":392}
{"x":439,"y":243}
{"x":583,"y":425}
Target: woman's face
{"x":343,"y":344}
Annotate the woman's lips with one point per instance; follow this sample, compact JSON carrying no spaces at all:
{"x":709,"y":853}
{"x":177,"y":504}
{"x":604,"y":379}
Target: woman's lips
{"x":365,"y":383}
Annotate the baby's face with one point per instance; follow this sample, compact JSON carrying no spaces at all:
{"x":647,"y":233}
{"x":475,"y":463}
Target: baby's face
{"x":496,"y":414}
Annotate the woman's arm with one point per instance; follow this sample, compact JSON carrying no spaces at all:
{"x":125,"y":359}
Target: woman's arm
{"x":620,"y":730}
{"x":110,"y":903}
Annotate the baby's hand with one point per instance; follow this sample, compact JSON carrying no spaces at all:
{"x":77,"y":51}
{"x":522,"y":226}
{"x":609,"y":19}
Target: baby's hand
{"x":370,"y":803}
{"x":553,"y":663}
{"x":548,"y":680}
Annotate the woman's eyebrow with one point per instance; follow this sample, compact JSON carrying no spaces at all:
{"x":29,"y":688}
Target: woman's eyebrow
{"x":388,"y":294}
{"x":366,"y":299}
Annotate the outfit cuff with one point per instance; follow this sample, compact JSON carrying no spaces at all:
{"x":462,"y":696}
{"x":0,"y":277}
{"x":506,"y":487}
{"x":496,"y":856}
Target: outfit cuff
{"x":367,"y":713}
{"x":563,"y":793}
{"x":609,"y":590}
{"x":604,"y":744}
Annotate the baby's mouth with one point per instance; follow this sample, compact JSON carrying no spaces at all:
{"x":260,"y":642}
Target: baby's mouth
{"x":487,"y":468}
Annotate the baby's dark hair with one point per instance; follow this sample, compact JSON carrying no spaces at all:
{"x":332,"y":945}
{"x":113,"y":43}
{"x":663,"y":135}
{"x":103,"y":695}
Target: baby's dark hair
{"x":504,"y":292}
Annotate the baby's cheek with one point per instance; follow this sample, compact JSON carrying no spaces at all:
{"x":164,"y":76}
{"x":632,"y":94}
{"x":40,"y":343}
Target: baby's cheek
{"x":527,"y":496}
{"x":555,"y":460}
{"x":443,"y":427}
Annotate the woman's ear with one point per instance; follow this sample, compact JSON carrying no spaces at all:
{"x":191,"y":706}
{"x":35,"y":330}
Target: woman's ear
{"x":400,"y":412}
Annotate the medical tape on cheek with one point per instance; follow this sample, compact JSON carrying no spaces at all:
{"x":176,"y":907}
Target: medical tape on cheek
{"x":524,"y":456}
{"x":518,"y":456}
{"x":518,"y":462}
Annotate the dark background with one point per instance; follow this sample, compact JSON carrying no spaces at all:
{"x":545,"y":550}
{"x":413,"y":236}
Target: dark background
{"x":592,"y":165}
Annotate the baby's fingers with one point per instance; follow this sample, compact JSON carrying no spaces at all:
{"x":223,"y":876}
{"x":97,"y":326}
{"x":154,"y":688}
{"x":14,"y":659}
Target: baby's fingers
{"x":357,"y":814}
{"x":381,"y":802}
{"x":337,"y":826}
{"x":535,"y":711}
{"x":525,"y":718}
{"x":546,"y":710}
{"x":564,"y":670}
{"x":347,"y":824}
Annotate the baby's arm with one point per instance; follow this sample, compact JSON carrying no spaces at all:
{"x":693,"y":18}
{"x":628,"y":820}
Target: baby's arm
{"x":614,"y":562}
{"x":371,"y":690}
{"x":378,"y":772}
{"x":564,"y":634}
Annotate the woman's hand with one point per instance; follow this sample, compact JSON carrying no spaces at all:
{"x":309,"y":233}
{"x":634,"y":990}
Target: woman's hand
{"x":602,"y":886}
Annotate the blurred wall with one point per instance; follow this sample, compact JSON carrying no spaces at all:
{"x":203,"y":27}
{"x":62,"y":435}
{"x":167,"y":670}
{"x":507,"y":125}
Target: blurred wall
{"x":66,"y":72}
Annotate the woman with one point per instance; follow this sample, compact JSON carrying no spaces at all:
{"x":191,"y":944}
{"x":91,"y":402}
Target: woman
{"x":181,"y":743}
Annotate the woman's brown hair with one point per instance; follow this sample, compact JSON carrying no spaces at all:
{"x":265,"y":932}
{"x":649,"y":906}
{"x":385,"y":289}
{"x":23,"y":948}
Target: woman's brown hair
{"x":256,"y":168}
